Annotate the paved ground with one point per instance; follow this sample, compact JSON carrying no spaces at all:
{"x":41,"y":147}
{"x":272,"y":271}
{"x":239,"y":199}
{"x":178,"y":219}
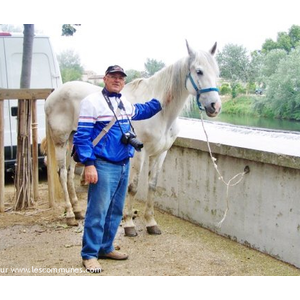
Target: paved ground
{"x":37,"y":242}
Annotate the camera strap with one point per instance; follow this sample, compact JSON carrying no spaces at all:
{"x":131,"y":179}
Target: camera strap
{"x":120,"y":106}
{"x":110,"y":124}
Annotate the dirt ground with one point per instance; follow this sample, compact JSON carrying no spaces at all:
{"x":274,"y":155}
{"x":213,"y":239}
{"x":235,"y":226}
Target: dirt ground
{"x":38,"y":242}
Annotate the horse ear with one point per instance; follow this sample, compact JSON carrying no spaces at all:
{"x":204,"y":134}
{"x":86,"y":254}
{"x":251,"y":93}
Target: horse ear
{"x":213,"y":49}
{"x":190,"y":50}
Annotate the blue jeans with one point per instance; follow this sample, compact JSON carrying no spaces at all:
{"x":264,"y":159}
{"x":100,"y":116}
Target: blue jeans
{"x":104,"y":208}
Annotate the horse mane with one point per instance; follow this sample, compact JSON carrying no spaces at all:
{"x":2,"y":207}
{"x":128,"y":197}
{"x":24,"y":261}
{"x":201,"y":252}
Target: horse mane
{"x":168,"y":84}
{"x":165,"y":84}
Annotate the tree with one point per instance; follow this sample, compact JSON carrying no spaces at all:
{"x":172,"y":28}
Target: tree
{"x":24,"y":170}
{"x":152,"y":66}
{"x":234,"y":65}
{"x":294,"y":34}
{"x":284,"y":87}
{"x":24,"y":167}
{"x":70,"y":66}
{"x":69,"y":29}
{"x":133,"y":74}
{"x":271,"y":62}
{"x":285,"y":40}
{"x":269,"y":45}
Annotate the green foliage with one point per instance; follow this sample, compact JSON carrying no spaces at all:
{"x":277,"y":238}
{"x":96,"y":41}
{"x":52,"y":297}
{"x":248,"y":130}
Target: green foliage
{"x":269,"y":45}
{"x":234,"y":63}
{"x":225,"y":89}
{"x":70,"y":66}
{"x":133,"y":74}
{"x":251,"y":87}
{"x":275,"y":68}
{"x":271,"y":61}
{"x":241,"y":105}
{"x":262,"y":107}
{"x":285,"y":40}
{"x":69,"y":29}
{"x":283,"y":92}
{"x":236,"y":89}
{"x":152,"y":66}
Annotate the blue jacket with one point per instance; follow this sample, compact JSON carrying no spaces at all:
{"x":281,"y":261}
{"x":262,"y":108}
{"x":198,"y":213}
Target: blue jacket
{"x":95,"y":114}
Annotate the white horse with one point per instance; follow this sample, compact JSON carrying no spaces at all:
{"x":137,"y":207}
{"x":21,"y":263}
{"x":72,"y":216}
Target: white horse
{"x":195,"y":75}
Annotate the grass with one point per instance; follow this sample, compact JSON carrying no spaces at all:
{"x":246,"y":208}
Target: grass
{"x":241,"y":105}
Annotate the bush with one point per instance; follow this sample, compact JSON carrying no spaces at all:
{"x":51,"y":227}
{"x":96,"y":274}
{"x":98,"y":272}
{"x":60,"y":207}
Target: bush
{"x":225,"y":89}
{"x":240,"y":106}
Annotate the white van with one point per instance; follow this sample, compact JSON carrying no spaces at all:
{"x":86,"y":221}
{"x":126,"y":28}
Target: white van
{"x":45,"y":73}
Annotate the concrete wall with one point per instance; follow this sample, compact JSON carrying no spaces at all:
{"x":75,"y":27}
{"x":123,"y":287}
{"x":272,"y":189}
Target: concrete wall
{"x":264,"y":208}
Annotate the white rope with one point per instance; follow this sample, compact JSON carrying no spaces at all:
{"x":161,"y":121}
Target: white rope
{"x":228,"y":184}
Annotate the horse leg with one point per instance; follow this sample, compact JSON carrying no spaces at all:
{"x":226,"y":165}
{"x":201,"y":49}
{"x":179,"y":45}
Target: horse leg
{"x":60,"y":152}
{"x":155,"y":165}
{"x":79,"y":215}
{"x":70,"y":183}
{"x":82,"y":178}
{"x":129,"y":226}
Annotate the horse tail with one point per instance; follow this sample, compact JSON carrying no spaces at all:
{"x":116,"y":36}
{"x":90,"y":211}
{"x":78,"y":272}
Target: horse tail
{"x":43,"y":149}
{"x":52,"y":168}
{"x":43,"y":146}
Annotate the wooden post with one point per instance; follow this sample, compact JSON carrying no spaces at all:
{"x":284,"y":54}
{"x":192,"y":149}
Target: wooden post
{"x":1,"y":156}
{"x":23,"y":173}
{"x":35,"y":154}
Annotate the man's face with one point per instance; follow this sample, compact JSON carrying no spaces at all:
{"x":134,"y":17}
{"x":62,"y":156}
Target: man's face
{"x":114,"y":82}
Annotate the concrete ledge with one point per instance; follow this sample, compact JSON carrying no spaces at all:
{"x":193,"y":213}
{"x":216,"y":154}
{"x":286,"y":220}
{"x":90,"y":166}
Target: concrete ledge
{"x":238,"y":152}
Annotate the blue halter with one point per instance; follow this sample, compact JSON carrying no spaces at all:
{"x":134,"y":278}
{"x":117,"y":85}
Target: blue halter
{"x":199,"y":91}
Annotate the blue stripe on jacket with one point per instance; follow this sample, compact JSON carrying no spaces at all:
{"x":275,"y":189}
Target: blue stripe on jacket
{"x":95,"y":115}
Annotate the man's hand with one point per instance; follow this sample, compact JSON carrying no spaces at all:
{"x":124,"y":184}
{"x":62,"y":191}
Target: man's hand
{"x":91,"y":175}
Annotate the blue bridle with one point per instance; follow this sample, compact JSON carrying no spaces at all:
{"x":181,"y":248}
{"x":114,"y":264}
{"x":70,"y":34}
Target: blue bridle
{"x":199,"y":91}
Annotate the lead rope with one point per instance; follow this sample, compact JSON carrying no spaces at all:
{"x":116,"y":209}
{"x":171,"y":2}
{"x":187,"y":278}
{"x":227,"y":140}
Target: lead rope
{"x":228,"y":184}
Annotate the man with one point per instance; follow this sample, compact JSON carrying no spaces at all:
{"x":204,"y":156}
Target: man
{"x":107,"y":163}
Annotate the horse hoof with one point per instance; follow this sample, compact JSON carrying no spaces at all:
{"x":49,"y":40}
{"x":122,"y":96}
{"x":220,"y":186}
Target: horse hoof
{"x":72,"y":222}
{"x":130,"y":231}
{"x":153,"y":230}
{"x":79,"y":215}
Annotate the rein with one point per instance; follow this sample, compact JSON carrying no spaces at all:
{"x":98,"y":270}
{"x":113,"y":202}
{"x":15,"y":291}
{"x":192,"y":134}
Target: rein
{"x":238,"y":177}
{"x":199,"y":91}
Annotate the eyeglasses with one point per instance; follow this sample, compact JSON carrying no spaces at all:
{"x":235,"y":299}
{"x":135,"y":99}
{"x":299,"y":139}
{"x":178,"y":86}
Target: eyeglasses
{"x":115,"y":77}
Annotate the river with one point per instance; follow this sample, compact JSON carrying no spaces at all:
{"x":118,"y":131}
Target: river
{"x":270,"y":140}
{"x":265,"y":123}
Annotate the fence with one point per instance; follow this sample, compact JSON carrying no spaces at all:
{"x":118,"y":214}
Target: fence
{"x":26,"y":95}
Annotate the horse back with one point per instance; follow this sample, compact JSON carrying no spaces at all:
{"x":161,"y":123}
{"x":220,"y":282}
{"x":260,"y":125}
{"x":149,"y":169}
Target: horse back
{"x":62,"y":106}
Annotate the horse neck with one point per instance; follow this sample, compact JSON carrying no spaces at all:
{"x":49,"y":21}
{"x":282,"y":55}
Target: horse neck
{"x":172,"y":84}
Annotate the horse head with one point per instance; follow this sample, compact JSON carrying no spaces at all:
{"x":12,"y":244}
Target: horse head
{"x":201,"y":80}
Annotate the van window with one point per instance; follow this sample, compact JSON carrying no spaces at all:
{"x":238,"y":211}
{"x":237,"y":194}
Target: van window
{"x":40,"y":72}
{"x":3,"y":83}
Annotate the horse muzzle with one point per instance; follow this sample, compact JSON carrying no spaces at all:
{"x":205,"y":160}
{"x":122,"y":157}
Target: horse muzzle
{"x":213,"y":109}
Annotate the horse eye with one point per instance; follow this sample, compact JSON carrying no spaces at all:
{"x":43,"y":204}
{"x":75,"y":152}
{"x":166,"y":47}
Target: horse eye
{"x":199,"y":72}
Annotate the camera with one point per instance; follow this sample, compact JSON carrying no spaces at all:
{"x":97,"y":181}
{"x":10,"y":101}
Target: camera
{"x":130,"y":138}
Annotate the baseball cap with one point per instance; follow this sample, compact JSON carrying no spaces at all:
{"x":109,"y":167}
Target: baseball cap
{"x":115,"y":69}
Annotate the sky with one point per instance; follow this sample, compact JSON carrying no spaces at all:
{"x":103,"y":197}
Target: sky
{"x":127,"y":32}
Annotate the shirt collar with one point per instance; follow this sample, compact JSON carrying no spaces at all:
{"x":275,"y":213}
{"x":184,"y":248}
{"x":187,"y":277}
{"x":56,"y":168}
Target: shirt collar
{"x":111,"y":94}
